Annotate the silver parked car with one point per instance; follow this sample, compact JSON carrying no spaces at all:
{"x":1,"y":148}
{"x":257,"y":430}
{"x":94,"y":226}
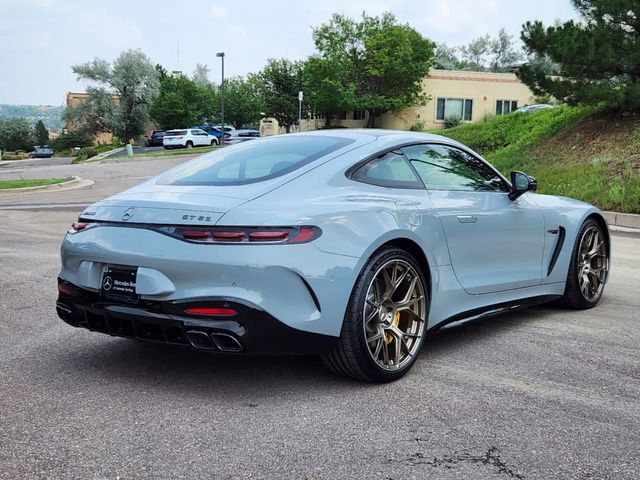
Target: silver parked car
{"x":352,"y":245}
{"x":242,"y":135}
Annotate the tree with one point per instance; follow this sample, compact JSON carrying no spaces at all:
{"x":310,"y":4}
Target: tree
{"x":243,"y":103}
{"x":16,"y":134}
{"x":182,"y":103}
{"x":446,"y":58}
{"x":133,"y":79}
{"x":504,"y":54}
{"x":385,"y":61}
{"x":598,"y":58}
{"x":326,"y":90}
{"x":279,"y":83}
{"x":201,"y":75}
{"x":42,"y":134}
{"x":475,"y":53}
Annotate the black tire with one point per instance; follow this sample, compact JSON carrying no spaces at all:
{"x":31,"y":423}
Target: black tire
{"x":573,"y":295}
{"x":189,"y":144}
{"x":214,"y":142}
{"x":352,"y":355}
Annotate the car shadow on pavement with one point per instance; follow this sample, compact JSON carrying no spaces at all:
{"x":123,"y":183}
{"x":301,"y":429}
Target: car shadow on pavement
{"x":169,"y":367}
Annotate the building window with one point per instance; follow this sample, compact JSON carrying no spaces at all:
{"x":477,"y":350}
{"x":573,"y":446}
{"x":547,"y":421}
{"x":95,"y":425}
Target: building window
{"x":505,"y":106}
{"x":358,"y":114}
{"x":452,"y":107}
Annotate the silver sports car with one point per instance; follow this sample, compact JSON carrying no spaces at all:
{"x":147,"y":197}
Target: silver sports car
{"x":353,"y":245}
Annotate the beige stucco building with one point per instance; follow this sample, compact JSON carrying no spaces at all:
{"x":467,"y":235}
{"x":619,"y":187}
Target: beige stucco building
{"x":470,"y":95}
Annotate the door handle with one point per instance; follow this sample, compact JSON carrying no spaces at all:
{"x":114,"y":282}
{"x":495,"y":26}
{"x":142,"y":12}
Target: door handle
{"x":467,"y":219}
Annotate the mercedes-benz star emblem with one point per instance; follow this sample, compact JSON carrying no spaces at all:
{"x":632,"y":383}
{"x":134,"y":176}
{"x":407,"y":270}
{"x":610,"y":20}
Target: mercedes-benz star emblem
{"x":128,"y":213}
{"x":107,"y":283}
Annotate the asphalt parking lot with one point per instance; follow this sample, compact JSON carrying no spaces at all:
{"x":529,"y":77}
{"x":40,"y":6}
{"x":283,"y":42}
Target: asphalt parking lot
{"x":544,"y":393}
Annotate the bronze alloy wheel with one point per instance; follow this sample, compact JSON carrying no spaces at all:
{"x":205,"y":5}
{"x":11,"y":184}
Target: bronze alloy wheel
{"x":394,"y":314}
{"x":593,"y":263}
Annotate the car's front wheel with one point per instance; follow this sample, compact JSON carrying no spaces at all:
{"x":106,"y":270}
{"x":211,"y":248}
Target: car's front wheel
{"x":589,"y":267}
{"x":386,"y":320}
{"x":214,"y":142}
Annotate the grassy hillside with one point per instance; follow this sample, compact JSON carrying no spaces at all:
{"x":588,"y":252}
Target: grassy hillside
{"x":50,"y":115}
{"x":577,"y":152}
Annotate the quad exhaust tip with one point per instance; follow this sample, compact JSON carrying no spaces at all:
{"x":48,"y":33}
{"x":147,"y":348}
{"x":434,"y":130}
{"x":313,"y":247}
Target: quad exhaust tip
{"x":213,"y":341}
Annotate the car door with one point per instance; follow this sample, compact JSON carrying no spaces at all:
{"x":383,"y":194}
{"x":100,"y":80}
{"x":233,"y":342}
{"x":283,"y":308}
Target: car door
{"x":200,"y":137}
{"x":495,"y":244}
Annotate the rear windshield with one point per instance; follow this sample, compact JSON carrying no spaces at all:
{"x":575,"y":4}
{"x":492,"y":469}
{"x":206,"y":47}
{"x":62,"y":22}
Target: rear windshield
{"x":176,"y":132}
{"x":251,"y":162}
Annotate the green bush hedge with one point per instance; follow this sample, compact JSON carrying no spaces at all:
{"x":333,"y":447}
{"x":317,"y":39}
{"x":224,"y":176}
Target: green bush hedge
{"x":70,"y":140}
{"x":18,"y":155}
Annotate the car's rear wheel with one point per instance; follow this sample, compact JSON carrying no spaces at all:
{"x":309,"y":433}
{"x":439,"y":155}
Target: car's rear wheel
{"x":589,"y":267}
{"x":189,"y":144}
{"x":385,"y":322}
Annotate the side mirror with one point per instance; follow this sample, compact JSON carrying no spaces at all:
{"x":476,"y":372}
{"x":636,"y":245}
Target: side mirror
{"x":521,"y":183}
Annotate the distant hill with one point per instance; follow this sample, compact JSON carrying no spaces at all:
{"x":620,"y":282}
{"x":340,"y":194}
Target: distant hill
{"x":49,"y":114}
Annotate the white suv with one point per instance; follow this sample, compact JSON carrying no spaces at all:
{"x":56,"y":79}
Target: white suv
{"x":188,"y":138}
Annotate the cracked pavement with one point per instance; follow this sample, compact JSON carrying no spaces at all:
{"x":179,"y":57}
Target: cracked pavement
{"x":544,"y":393}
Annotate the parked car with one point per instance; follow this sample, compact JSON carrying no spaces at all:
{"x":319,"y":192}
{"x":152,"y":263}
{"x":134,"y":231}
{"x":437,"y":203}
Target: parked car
{"x":42,"y":152}
{"x":213,"y":131}
{"x":351,"y":244}
{"x":227,"y":128}
{"x":534,"y":108}
{"x":188,"y":138}
{"x":155,"y":140}
{"x":240,"y":136}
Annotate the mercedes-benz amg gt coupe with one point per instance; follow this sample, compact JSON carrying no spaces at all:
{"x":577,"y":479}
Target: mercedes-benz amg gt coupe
{"x":351,"y":245}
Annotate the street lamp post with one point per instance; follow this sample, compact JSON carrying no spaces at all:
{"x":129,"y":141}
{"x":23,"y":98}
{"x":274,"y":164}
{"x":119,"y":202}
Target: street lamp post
{"x":300,"y":98}
{"x":221,"y":55}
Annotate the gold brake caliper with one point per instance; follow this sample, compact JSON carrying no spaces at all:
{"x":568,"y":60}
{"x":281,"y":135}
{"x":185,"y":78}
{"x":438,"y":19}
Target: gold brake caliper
{"x":396,"y":321}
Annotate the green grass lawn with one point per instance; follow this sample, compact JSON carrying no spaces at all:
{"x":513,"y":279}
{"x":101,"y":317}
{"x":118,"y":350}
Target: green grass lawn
{"x":577,"y":152}
{"x":178,"y":151}
{"x":4,"y":184}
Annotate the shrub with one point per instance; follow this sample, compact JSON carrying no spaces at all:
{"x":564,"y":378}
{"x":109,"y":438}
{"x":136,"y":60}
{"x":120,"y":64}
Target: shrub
{"x":68,"y":141}
{"x":452,"y":121}
{"x":417,"y":127}
{"x":105,"y":147}
{"x":19,"y":155}
{"x":87,"y":152}
{"x":84,"y":153}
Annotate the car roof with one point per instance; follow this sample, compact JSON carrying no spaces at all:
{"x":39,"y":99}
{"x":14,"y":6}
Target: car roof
{"x":399,"y":136}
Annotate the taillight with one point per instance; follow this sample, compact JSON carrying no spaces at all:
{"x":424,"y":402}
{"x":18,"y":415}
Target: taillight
{"x":244,"y":235}
{"x":77,"y":226}
{"x":81,"y":225}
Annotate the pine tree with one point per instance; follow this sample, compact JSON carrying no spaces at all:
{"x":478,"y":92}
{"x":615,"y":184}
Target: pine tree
{"x":42,"y":134}
{"x":597,"y":58}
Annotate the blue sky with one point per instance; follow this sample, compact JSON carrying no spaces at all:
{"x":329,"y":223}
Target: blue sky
{"x":41,"y":39}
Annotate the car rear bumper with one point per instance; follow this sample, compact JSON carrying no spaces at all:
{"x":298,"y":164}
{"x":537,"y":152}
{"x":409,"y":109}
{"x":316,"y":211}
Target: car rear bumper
{"x":250,"y":331}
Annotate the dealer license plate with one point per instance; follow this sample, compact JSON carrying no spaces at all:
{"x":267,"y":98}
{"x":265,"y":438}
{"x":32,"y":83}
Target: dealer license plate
{"x":119,"y":284}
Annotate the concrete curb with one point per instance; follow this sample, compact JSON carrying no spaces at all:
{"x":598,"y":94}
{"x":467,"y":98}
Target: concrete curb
{"x":627,"y":220}
{"x":105,"y":155}
{"x":75,"y":182}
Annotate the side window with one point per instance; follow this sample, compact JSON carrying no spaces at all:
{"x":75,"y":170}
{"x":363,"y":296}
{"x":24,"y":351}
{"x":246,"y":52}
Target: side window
{"x":442,"y":167}
{"x":389,"y":170}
